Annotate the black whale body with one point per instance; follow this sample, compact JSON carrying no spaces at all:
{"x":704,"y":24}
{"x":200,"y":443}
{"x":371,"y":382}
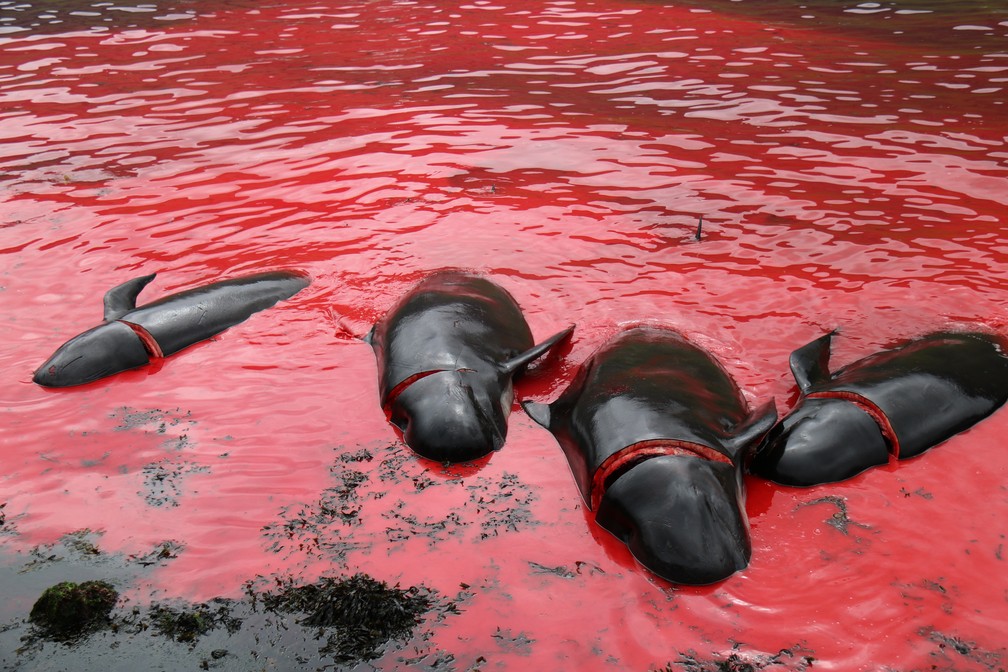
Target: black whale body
{"x":447,"y":354}
{"x":901,"y":401}
{"x":656,"y":434}
{"x":131,"y":336}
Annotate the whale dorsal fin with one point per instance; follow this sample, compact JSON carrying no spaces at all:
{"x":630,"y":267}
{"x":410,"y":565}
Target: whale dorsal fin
{"x":810,"y":363}
{"x":519,"y":362}
{"x":541,"y":413}
{"x":122,"y":299}
{"x":751,"y":431}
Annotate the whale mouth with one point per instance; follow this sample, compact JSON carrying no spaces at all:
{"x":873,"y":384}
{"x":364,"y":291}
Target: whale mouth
{"x":628,"y":457}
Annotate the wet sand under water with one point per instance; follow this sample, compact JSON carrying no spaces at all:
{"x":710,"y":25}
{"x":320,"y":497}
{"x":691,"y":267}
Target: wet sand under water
{"x":850,"y":164}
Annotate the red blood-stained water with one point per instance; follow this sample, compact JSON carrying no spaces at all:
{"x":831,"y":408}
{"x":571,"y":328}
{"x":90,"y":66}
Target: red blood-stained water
{"x":851,"y":167}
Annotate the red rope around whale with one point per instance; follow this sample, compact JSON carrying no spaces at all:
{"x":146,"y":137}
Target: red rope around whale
{"x":869,"y":407}
{"x":623,"y":459}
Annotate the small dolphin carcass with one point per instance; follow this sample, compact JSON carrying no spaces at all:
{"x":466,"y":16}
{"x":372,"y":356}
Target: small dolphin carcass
{"x":131,"y":337}
{"x":447,"y":354}
{"x":656,"y":434}
{"x":898,"y":402}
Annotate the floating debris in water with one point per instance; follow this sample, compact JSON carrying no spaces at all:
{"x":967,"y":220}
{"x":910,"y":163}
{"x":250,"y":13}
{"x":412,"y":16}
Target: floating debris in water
{"x":559,"y":570}
{"x":166,"y":550}
{"x":188,"y":624}
{"x":840,"y":520}
{"x":162,"y":481}
{"x":152,"y":420}
{"x":785,"y":659}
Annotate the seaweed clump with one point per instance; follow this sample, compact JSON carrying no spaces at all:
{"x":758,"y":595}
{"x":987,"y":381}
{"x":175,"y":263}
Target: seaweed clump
{"x":357,"y":615}
{"x":188,"y":625}
{"x":67,"y":610}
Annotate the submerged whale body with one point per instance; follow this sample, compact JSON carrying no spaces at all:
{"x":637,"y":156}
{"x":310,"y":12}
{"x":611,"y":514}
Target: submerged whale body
{"x":130,"y":336}
{"x":447,"y":353}
{"x":656,"y":433}
{"x":898,"y":402}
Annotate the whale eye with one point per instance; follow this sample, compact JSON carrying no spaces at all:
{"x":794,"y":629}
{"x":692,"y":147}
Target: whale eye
{"x":52,"y":370}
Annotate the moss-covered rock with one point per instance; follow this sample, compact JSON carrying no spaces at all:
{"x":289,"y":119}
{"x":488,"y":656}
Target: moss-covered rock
{"x":68,"y":610}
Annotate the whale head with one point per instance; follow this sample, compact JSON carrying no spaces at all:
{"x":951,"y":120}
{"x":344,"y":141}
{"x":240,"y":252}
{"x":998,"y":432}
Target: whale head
{"x":682,"y":517}
{"x":453,"y":416}
{"x":821,"y":441}
{"x":109,"y":348}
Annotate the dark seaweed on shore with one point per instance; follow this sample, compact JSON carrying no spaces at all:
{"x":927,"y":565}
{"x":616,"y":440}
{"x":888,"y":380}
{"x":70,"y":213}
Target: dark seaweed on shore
{"x":357,"y":615}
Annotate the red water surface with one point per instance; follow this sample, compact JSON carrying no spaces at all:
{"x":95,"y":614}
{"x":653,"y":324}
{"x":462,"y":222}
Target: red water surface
{"x":851,"y":167}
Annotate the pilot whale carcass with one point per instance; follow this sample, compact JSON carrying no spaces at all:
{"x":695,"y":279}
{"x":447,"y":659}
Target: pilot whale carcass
{"x":656,"y":434}
{"x":131,"y":336}
{"x":447,"y":353}
{"x":900,"y":402}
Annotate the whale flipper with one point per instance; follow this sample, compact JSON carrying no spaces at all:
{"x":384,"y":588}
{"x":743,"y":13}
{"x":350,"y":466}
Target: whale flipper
{"x":541,"y":413}
{"x":749,"y":433}
{"x":519,"y":362}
